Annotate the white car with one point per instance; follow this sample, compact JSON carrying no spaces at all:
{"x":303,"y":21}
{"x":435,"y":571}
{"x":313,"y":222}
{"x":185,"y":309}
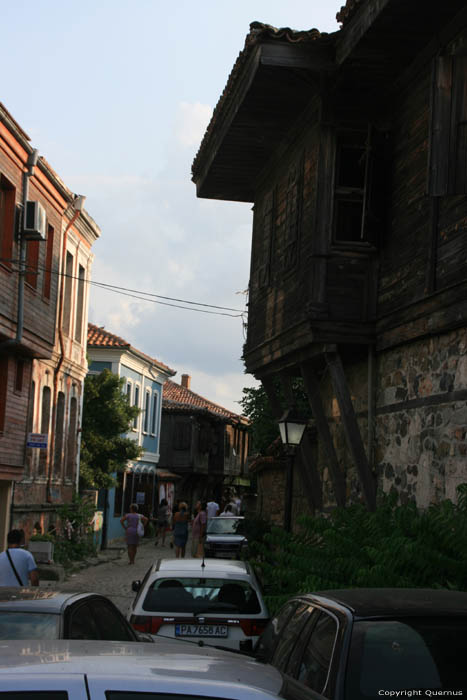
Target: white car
{"x":98,"y":670}
{"x":212,"y":601}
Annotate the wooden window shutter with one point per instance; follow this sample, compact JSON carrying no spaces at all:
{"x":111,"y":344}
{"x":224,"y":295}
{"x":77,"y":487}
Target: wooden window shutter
{"x":458,"y":142}
{"x":448,"y":147}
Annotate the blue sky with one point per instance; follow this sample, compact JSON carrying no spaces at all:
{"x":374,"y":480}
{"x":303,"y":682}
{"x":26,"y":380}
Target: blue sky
{"x":117,"y":94}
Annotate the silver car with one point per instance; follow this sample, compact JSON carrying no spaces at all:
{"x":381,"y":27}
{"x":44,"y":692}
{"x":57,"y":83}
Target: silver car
{"x":215,"y":601}
{"x":95,"y":670}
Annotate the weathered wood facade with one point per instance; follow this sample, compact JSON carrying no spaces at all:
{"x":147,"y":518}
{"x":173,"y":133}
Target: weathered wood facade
{"x":352,"y":147}
{"x":43,"y":316}
{"x":202,"y":442}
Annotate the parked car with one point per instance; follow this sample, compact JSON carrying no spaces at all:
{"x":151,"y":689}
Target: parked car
{"x":94,"y":670}
{"x":359,"y":644}
{"x":225,"y":538}
{"x":216,"y":601}
{"x":35,"y":613}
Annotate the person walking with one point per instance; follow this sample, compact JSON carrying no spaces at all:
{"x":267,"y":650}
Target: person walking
{"x":132,"y":522}
{"x":180,"y":529}
{"x":162,"y":522}
{"x":212,"y":509}
{"x":17,"y":566}
{"x":198,"y":530}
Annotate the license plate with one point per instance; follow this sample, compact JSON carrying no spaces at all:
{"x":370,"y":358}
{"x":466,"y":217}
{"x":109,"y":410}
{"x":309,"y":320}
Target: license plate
{"x":201,"y":630}
{"x":224,"y":555}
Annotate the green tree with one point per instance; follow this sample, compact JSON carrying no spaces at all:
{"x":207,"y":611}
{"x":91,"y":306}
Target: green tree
{"x":263,"y":426}
{"x":106,"y":416}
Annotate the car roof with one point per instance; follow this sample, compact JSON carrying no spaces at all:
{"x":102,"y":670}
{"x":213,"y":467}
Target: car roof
{"x":38,"y":600}
{"x":193,"y":567}
{"x":389,"y":602}
{"x":164,"y":660}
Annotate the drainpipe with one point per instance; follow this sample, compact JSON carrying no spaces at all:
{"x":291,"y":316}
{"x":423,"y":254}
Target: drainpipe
{"x":77,"y":204}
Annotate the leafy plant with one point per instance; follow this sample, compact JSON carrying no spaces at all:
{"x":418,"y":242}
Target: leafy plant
{"x":75,"y":535}
{"x":395,"y":546}
{"x":107,"y":415}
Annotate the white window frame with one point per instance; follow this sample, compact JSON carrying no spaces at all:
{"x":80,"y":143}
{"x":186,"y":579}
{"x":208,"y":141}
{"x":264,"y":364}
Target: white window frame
{"x":136,"y":402}
{"x":147,"y":411}
{"x":154,"y":415}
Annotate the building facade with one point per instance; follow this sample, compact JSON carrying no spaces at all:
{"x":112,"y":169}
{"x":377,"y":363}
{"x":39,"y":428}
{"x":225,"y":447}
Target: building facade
{"x":144,"y":378}
{"x":203,"y":443}
{"x":351,"y":147}
{"x":44,"y":274}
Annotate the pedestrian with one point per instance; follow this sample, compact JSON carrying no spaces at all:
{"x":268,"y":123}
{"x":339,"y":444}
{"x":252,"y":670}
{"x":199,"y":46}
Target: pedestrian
{"x":17,"y":565}
{"x":180,"y":529}
{"x":162,"y":521}
{"x":212,"y":509}
{"x":198,"y":530}
{"x":132,"y":522}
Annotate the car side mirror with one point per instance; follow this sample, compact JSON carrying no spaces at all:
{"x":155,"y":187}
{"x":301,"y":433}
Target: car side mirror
{"x":135,"y":586}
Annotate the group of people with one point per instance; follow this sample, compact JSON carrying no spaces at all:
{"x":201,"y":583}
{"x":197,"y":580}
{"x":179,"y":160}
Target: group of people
{"x":180,"y":521}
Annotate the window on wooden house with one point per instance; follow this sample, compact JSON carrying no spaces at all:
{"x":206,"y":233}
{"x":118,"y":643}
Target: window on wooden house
{"x":29,"y":428}
{"x":263,"y":227}
{"x":45,"y":425}
{"x":448,"y":138}
{"x":32,"y":263}
{"x":182,"y":435}
{"x":357,"y":214}
{"x":48,"y":263}
{"x":3,"y":389}
{"x":79,"y":304}
{"x":59,"y":433}
{"x":19,"y":376}
{"x":7,"y":220}
{"x":72,"y":438}
{"x":227,"y":443}
{"x":68,"y":293}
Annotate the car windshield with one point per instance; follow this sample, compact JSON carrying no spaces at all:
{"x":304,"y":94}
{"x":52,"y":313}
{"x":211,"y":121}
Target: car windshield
{"x":225,"y":526}
{"x":24,"y":625}
{"x":201,"y":595}
{"x":406,"y":654}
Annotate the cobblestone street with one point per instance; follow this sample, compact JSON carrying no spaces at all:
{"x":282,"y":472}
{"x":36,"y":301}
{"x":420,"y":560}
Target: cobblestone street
{"x":113,"y":577}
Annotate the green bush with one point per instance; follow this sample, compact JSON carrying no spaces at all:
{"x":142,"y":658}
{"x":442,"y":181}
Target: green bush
{"x":75,"y":542}
{"x":394,"y":546}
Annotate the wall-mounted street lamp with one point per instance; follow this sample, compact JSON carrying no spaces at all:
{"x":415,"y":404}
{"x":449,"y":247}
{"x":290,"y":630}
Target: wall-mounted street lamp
{"x":291,"y":427}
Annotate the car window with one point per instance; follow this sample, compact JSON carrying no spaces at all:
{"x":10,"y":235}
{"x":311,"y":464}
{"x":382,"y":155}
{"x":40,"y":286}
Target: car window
{"x":110,"y":622}
{"x":198,"y":595}
{"x":412,"y":653}
{"x":82,"y":624}
{"x":225,"y":526}
{"x":316,"y":660}
{"x":31,"y":695}
{"x":268,"y":640}
{"x":293,"y":663}
{"x":22,"y":625}
{"x":290,"y":634}
{"x":135,"y":695}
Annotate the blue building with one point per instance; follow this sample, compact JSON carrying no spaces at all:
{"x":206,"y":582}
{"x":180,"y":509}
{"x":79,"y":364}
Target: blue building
{"x":141,"y":482}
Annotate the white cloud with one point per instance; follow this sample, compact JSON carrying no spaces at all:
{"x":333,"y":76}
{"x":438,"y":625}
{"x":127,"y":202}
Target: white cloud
{"x":191,"y":122}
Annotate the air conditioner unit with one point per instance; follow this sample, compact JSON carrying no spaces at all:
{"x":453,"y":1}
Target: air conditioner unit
{"x":35,"y":222}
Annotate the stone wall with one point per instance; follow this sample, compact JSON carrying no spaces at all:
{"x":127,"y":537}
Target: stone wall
{"x":420,"y":427}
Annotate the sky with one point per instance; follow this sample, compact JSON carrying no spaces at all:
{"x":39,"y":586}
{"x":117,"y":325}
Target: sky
{"x":117,"y":95}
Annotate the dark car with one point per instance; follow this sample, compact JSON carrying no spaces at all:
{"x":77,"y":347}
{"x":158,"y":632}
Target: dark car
{"x":358,"y":644}
{"x":225,"y":537}
{"x":35,"y":613}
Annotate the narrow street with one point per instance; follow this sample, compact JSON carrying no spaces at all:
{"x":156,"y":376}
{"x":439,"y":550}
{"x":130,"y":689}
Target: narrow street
{"x":113,"y":578}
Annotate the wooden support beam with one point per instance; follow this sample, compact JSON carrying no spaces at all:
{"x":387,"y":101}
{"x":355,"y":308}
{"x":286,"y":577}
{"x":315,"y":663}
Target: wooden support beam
{"x":309,"y":474}
{"x":351,"y":429}
{"x":311,"y":383}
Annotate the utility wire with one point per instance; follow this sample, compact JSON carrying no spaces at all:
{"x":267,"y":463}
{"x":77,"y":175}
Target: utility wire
{"x":134,"y":293}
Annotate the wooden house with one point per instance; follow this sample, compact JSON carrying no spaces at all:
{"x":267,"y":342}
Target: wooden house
{"x":45,"y":266}
{"x":352,"y":146}
{"x":202,"y":442}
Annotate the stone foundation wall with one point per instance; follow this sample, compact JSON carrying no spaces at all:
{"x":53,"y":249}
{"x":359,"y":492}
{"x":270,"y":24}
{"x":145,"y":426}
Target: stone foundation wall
{"x":420,"y":428}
